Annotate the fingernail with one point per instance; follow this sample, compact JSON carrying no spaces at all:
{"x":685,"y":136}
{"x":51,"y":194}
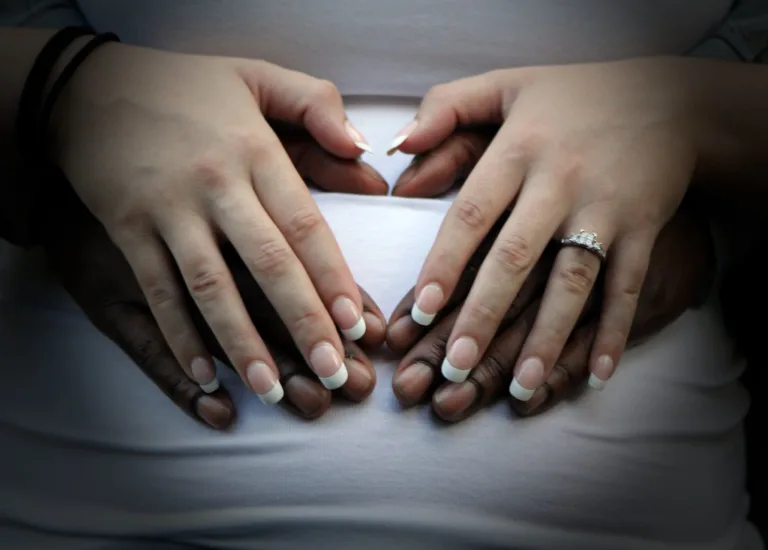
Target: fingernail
{"x":528,"y":379}
{"x":213,"y":413}
{"x":455,"y":399}
{"x":204,"y":374}
{"x":360,"y":380}
{"x":327,"y":364}
{"x":602,"y":372}
{"x":401,"y":137}
{"x":537,"y":400}
{"x":461,"y":358}
{"x":413,"y":382}
{"x":373,"y":322}
{"x":264,"y":383}
{"x":304,"y":394}
{"x":427,"y":304}
{"x":357,"y":137}
{"x":347,"y":316}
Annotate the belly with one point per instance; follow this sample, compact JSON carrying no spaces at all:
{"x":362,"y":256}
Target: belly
{"x":90,"y":446}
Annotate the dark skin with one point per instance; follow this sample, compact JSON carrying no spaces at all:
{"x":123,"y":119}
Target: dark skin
{"x":681,"y":272}
{"x":95,"y":273}
{"x":97,"y":276}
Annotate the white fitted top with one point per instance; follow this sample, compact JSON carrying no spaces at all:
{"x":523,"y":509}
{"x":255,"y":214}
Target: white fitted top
{"x":92,"y":450}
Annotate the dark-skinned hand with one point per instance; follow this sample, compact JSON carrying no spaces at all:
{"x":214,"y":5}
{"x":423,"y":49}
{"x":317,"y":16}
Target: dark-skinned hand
{"x":97,"y":276}
{"x":680,"y":274}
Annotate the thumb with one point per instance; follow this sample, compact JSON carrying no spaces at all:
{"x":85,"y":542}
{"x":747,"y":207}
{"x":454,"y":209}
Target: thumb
{"x":305,"y":101}
{"x":479,"y":100}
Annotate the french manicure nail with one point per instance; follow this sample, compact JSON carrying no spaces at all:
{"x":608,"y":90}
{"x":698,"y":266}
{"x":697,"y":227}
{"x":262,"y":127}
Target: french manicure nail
{"x":264,"y":383}
{"x":461,"y":358}
{"x":327,"y":364}
{"x":602,"y":372}
{"x":401,"y":137}
{"x":357,"y":137}
{"x":427,"y":304}
{"x":528,"y":379}
{"x":204,"y":374}
{"x":347,"y":316}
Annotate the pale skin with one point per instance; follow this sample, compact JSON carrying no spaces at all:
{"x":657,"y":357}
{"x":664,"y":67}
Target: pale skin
{"x":169,"y":168}
{"x":606,"y":147}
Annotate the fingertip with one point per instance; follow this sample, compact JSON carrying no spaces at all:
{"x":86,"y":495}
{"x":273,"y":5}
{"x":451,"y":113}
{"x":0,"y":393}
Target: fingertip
{"x":211,"y":386}
{"x":453,"y":374}
{"x":596,"y":383}
{"x":274,"y":395}
{"x":307,"y":396}
{"x":534,"y":404}
{"x":519,"y":392}
{"x":602,"y":371}
{"x":357,"y":331}
{"x":337,"y":379}
{"x":402,"y":334}
{"x":376,"y":332}
{"x":411,"y":383}
{"x":214,"y":412}
{"x":361,"y":380}
{"x":452,"y":402}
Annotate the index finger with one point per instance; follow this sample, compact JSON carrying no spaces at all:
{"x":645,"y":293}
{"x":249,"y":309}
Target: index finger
{"x":487,"y":193}
{"x":289,"y":204}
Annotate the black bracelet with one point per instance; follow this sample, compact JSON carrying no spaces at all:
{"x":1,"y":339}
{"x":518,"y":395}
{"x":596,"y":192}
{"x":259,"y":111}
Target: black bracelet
{"x":34,"y":87}
{"x":64,"y":78}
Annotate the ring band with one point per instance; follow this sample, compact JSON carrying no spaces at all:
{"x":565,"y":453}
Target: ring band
{"x":587,"y":241}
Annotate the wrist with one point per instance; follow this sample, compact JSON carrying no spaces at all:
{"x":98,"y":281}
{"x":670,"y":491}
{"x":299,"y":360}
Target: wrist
{"x":95,"y":67}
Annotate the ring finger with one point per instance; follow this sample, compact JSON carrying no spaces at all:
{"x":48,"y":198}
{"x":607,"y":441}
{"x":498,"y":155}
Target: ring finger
{"x":518,"y":247}
{"x":570,"y":284}
{"x":213,"y":290}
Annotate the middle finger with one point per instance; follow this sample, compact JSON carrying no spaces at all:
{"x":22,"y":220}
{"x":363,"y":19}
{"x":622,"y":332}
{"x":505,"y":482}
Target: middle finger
{"x":570,"y":284}
{"x":289,"y":204}
{"x":538,"y":213}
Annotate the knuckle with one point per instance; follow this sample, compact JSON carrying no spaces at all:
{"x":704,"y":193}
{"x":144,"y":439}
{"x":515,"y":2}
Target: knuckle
{"x":307,"y":321}
{"x":532,"y":139}
{"x":570,"y":170}
{"x":577,"y":277}
{"x":548,"y":343}
{"x":438,"y":93}
{"x":481,"y":315}
{"x":209,"y":171}
{"x":159,"y":290}
{"x":246,"y":140}
{"x":513,"y":254}
{"x":469,"y":213}
{"x":206,"y":283}
{"x":493,"y":370}
{"x":128,"y":225}
{"x":302,"y":224}
{"x":628,"y":292}
{"x":325,"y":91}
{"x":436,"y":351}
{"x":272,"y":259}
